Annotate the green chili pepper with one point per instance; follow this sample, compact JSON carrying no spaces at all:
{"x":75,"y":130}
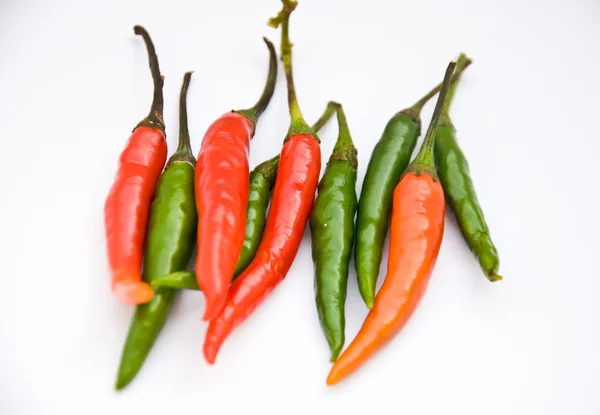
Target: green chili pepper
{"x":453,"y":170}
{"x":332,"y":232}
{"x":169,"y":246}
{"x":388,"y":161}
{"x":262,"y":179}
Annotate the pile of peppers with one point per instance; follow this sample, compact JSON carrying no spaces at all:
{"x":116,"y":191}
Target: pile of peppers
{"x":247,"y":226}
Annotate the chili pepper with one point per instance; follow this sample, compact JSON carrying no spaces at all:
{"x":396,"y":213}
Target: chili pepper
{"x":332,"y":231}
{"x":127,"y":205}
{"x":453,"y":169}
{"x":388,"y":161}
{"x":221,"y":183}
{"x":262,"y":179}
{"x":416,"y":235}
{"x":169,"y":247}
{"x":293,"y":198}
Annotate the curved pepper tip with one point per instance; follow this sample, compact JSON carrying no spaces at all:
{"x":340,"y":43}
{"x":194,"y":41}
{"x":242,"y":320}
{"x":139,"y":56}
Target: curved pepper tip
{"x":341,"y":369}
{"x":333,"y":378}
{"x":493,"y":277}
{"x":367,"y":292}
{"x":369,"y":300}
{"x":121,"y":383}
{"x":132,"y":293}
{"x":210,"y":353}
{"x":335,"y":352}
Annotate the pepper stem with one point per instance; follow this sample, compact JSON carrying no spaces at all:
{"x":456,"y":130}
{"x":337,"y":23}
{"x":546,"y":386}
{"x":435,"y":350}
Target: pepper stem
{"x":344,"y":148}
{"x":424,"y":160}
{"x":184,"y":149}
{"x":255,"y":112}
{"x":331,"y":108}
{"x":462,"y":63}
{"x":297,"y":124}
{"x":269,"y":168}
{"x":155,"y":117}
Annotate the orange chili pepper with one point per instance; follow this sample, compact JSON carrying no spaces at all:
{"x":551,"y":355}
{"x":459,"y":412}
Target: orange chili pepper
{"x":127,"y":205}
{"x":415,"y":237}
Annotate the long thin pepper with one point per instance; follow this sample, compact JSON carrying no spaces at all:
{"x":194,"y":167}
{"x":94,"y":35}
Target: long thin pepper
{"x":293,"y":197}
{"x":416,"y":234}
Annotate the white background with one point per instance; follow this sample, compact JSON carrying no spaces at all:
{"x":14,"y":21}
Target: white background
{"x":74,"y":80}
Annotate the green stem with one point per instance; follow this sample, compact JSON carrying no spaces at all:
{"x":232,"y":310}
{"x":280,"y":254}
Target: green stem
{"x":344,"y":148}
{"x":462,"y":62}
{"x":184,"y":149}
{"x":269,"y":168}
{"x":297,"y":124}
{"x":255,"y":112}
{"x":415,"y":111}
{"x":331,"y":108}
{"x":184,"y":132}
{"x":155,"y":117}
{"x":424,"y":160}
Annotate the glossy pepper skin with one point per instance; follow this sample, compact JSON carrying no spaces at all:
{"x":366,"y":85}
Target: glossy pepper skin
{"x":262,"y":179}
{"x":332,"y":232}
{"x":128,"y":202}
{"x":293,"y":197}
{"x":169,"y":247}
{"x":453,"y":170}
{"x":180,"y":280}
{"x":221,"y":184}
{"x":297,"y":180}
{"x":416,"y":234}
{"x":388,"y":162}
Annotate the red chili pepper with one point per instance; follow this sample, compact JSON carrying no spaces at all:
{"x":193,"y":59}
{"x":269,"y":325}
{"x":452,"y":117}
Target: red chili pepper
{"x":292,"y":201}
{"x":221,"y":186}
{"x":127,"y":206}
